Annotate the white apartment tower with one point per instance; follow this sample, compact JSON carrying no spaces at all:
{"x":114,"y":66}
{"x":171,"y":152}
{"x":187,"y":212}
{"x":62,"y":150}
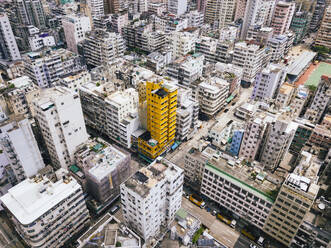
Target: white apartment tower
{"x":279,"y":135}
{"x":96,"y":8}
{"x":151,"y":197}
{"x":8,"y":46}
{"x":249,"y":57}
{"x":254,"y":130}
{"x":60,"y":117}
{"x":187,"y":69}
{"x":47,"y":66}
{"x":46,"y":214}
{"x":75,"y":80}
{"x":322,"y":100}
{"x":20,"y":148}
{"x":75,"y":27}
{"x":182,"y":43}
{"x":257,"y":12}
{"x":268,"y":81}
{"x":212,"y":95}
{"x":177,"y":7}
{"x":19,"y":98}
{"x":226,"y":12}
{"x":102,"y":47}
{"x":187,"y":114}
{"x":114,"y":114}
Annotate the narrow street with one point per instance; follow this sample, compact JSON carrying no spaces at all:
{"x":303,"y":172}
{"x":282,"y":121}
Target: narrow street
{"x":219,"y":230}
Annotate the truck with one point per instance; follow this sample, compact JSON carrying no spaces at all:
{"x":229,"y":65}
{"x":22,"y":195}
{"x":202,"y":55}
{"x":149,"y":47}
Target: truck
{"x":197,"y":200}
{"x":248,"y":234}
{"x":226,"y":220}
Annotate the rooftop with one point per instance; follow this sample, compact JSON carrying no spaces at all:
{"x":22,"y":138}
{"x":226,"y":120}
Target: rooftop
{"x":286,"y":88}
{"x":300,"y":63}
{"x":302,"y":183}
{"x":185,"y":223}
{"x":108,"y":232}
{"x":32,"y":198}
{"x":104,"y":161}
{"x":147,"y":177}
{"x":21,"y":82}
{"x":243,"y":175}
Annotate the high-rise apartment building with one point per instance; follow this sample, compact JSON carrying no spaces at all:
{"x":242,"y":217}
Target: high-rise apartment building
{"x":19,"y":99}
{"x":101,"y":47}
{"x":161,"y":119}
{"x":268,"y":81}
{"x":151,"y":198}
{"x":75,"y":27}
{"x":212,"y":95}
{"x":294,"y":200}
{"x":301,"y":136}
{"x":232,"y":188}
{"x":285,"y":94}
{"x":317,"y":14}
{"x":105,"y":168}
{"x":182,"y":43}
{"x":8,"y":46}
{"x":47,"y":66}
{"x":240,"y":9}
{"x":75,"y":80}
{"x":257,"y":12}
{"x":300,"y":25}
{"x":141,"y":35}
{"x":279,"y":135}
{"x":187,"y":69}
{"x":96,"y":8}
{"x":219,"y":13}
{"x":324,"y":32}
{"x":187,"y":114}
{"x":20,"y":148}
{"x":253,"y":135}
{"x":260,"y":34}
{"x":214,"y":50}
{"x":321,"y":100}
{"x":282,"y":17}
{"x":278,"y":47}
{"x":177,"y":7}
{"x":45,"y":213}
{"x":111,"y":113}
{"x":226,"y":12}
{"x":249,"y":57}
{"x":31,"y":12}
{"x":60,"y":118}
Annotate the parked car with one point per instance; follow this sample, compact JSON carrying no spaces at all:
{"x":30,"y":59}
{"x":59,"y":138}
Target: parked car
{"x":114,"y":209}
{"x":214,"y":212}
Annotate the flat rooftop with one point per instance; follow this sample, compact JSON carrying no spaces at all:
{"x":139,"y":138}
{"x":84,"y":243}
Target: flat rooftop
{"x":147,"y":177}
{"x":30,"y":199}
{"x":286,"y":88}
{"x":21,"y":82}
{"x":108,"y":232}
{"x":105,"y":161}
{"x":241,"y":175}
